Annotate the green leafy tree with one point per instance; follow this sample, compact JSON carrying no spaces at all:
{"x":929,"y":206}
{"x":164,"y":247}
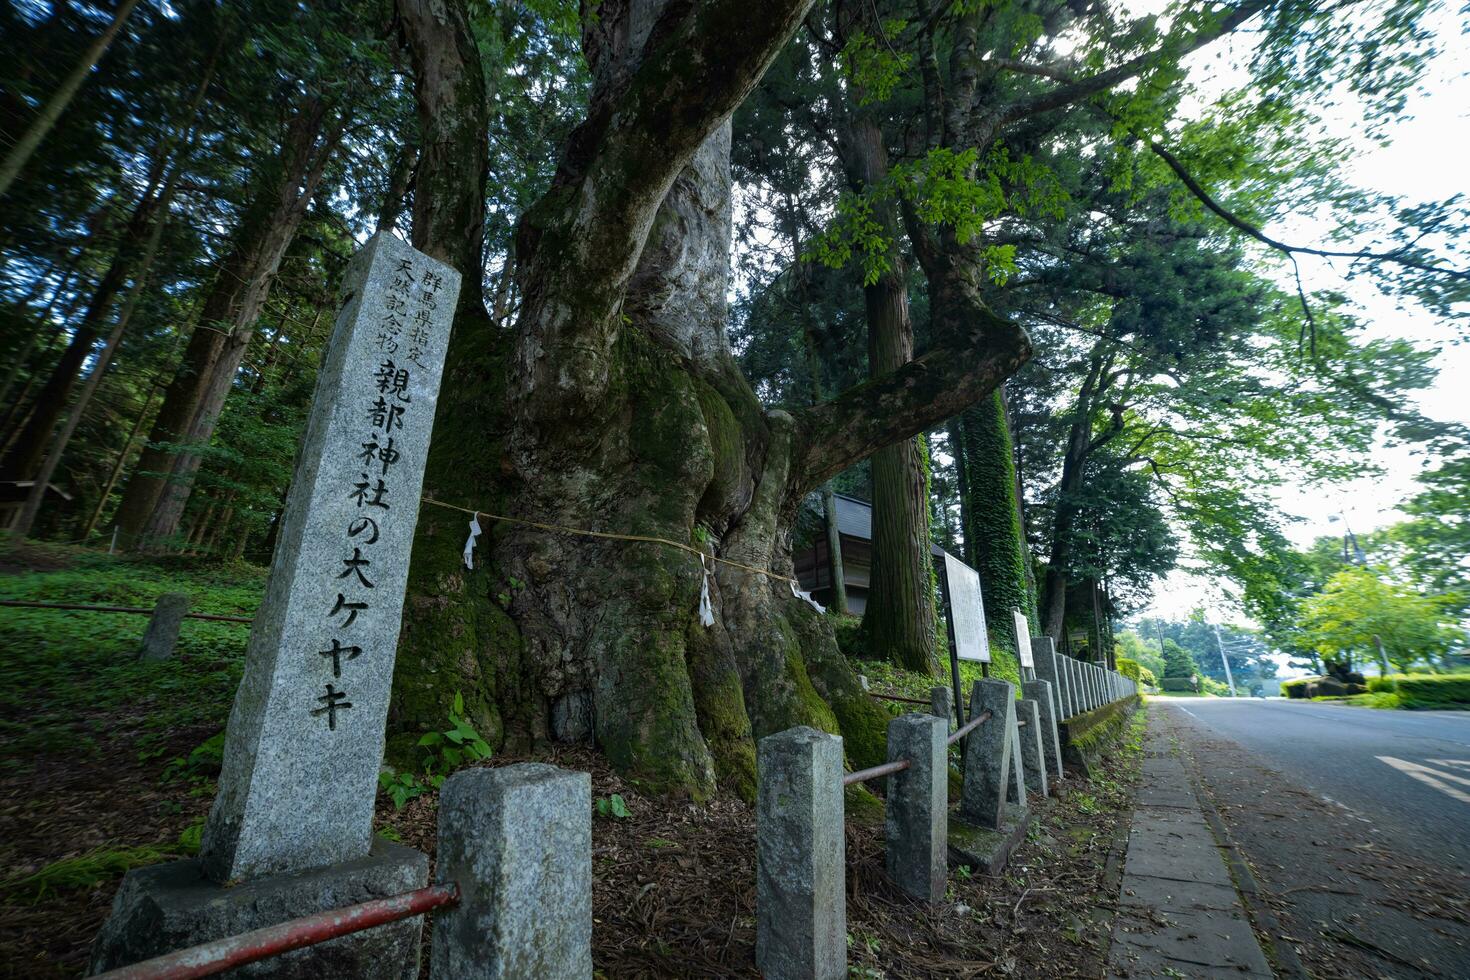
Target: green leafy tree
{"x":1357,"y":611}
{"x":1177,"y":661}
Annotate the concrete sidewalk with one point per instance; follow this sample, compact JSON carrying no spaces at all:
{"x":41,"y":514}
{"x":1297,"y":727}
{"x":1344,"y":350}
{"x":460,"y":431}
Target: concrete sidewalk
{"x":1178,"y":911}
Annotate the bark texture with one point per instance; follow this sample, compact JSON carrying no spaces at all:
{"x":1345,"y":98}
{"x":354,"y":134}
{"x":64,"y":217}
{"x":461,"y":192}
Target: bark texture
{"x":616,"y":406}
{"x":899,"y":618}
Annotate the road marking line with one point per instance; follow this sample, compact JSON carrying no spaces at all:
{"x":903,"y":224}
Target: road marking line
{"x":1450,"y":776}
{"x":1456,"y":763}
{"x":1427,"y":776}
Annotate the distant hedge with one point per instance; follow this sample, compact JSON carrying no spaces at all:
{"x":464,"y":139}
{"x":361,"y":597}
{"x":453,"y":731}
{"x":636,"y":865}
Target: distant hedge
{"x":1296,"y":688}
{"x":1426,"y":690}
{"x":1177,"y":684}
{"x":1137,"y":671}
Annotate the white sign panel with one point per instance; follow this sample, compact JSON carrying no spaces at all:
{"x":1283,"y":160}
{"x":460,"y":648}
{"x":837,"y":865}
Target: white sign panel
{"x":1023,"y":638}
{"x":966,"y":613}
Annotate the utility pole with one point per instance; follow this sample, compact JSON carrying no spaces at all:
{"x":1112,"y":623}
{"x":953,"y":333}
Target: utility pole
{"x":1226,"y":660}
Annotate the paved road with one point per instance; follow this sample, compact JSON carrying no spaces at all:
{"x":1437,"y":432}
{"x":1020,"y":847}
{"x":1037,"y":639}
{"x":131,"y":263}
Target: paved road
{"x":1406,"y":772}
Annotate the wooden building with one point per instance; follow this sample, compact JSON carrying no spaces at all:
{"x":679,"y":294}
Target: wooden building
{"x":855,"y":528}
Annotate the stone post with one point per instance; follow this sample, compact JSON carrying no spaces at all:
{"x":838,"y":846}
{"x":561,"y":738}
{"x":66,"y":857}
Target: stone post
{"x":291,"y":829}
{"x":988,"y":755}
{"x":162,"y":635}
{"x":518,"y":841}
{"x":941,"y":705}
{"x":800,"y":892}
{"x":1051,"y":740}
{"x":1074,"y":686}
{"x":305,"y":737}
{"x":1044,"y":656}
{"x":1016,"y":793}
{"x":916,"y":818}
{"x":1032,"y":754}
{"x":1079,"y":685}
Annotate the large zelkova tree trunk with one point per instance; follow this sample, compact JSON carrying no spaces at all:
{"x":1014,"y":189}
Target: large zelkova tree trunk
{"x":615,"y":405}
{"x":159,"y":490}
{"x":54,"y":106}
{"x":989,"y":513}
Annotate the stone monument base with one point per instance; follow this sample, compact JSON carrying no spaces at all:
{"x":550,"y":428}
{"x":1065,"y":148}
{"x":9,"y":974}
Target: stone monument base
{"x":172,"y":906}
{"x":986,"y":851}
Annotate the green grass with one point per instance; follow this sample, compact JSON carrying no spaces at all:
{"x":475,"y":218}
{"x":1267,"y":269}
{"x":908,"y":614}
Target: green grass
{"x":67,"y":675}
{"x":90,"y":869}
{"x":83,"y":872}
{"x":885,"y":678}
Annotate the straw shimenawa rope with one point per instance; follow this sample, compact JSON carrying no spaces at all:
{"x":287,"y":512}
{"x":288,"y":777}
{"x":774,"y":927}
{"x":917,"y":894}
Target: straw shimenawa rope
{"x":648,"y":539}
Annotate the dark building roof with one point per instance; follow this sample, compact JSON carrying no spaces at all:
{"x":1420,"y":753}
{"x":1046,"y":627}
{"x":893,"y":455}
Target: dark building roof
{"x":855,"y":518}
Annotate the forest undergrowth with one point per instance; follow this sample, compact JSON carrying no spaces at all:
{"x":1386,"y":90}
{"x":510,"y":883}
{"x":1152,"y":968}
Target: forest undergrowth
{"x":110,"y":763}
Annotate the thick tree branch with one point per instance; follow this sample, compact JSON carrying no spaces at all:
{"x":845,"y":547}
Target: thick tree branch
{"x":1075,"y":90}
{"x":579,"y":246}
{"x":946,"y":379}
{"x":1240,"y":224}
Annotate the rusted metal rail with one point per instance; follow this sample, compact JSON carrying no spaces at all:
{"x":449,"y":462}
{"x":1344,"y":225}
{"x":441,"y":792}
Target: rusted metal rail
{"x":895,"y":697}
{"x":970,"y":726}
{"x":886,"y":769}
{"x":234,"y":951}
{"x":76,"y":606}
{"x":899,"y":765}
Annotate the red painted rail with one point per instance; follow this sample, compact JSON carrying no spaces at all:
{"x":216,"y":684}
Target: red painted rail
{"x":232,"y":951}
{"x":27,"y":604}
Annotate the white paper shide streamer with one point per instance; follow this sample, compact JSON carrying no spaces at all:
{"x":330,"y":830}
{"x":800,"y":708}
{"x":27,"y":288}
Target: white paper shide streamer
{"x":807,"y":597}
{"x":706,"y":609}
{"x":469,"y":545}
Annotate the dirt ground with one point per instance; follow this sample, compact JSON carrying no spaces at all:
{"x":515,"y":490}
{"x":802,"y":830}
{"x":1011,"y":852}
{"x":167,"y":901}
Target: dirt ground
{"x":673,"y":887}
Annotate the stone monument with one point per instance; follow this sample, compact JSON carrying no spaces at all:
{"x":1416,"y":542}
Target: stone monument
{"x":291,"y":830}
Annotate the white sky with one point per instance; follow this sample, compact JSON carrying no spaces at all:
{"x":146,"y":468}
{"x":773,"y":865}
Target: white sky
{"x":1426,"y":161}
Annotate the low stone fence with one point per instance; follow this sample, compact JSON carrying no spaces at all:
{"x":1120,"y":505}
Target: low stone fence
{"x":514,"y":876}
{"x":1008,"y":746}
{"x":513,"y":895}
{"x":1080,"y":686}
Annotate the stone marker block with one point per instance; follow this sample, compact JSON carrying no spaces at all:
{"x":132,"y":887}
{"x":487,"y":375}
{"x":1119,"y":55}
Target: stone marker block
{"x":518,"y":840}
{"x":988,"y":755}
{"x":916,"y":817}
{"x":1073,"y":686}
{"x":941,"y":705}
{"x":800,"y":865}
{"x":1016,"y":790}
{"x":1044,"y":656}
{"x":162,"y":635}
{"x":1051,"y":741}
{"x":986,"y":851}
{"x":305,"y":736}
{"x":173,"y":906}
{"x":1032,"y":756}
